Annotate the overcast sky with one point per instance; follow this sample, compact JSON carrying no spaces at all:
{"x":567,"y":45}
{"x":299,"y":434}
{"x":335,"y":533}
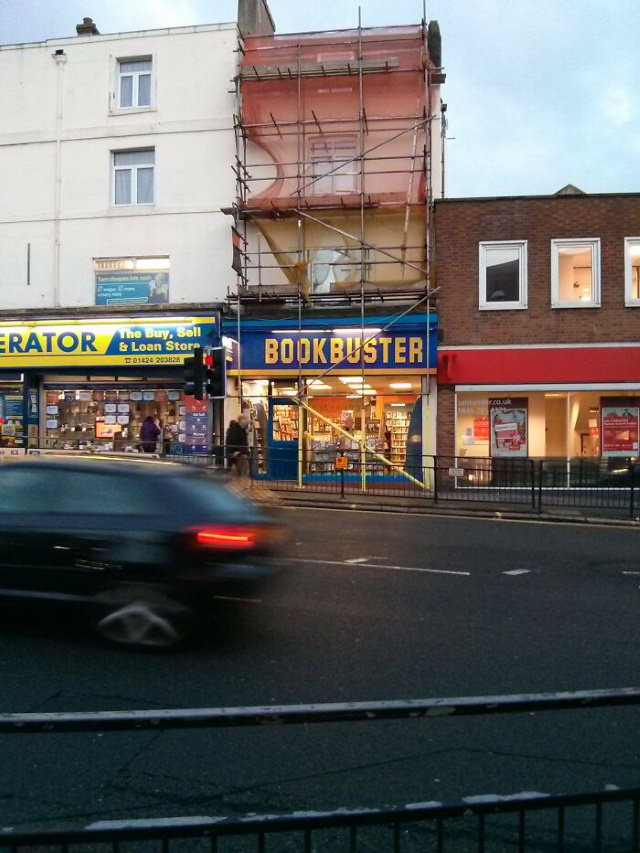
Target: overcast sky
{"x":540,"y":93}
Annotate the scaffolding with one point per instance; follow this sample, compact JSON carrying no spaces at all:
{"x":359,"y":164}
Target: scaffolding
{"x":337,"y":164}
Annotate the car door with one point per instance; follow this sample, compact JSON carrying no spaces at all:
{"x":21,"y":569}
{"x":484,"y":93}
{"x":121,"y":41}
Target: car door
{"x":67,"y":532}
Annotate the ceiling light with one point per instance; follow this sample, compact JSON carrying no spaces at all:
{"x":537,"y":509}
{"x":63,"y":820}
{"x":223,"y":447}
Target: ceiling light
{"x":316,"y":383}
{"x":398,"y":404}
{"x":356,"y":330}
{"x":400,"y":385}
{"x":353,"y":380}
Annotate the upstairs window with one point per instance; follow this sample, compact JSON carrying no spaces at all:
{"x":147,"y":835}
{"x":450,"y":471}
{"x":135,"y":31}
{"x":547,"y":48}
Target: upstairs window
{"x":632,"y":271}
{"x":503,"y":275}
{"x":575,"y":273}
{"x":333,"y":167}
{"x":133,"y":177}
{"x":134,"y":83}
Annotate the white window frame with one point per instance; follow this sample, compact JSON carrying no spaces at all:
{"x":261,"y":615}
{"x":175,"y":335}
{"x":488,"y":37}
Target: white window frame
{"x":133,"y":202}
{"x":521,"y":246}
{"x":340,"y":169}
{"x":578,"y":243}
{"x":115,"y":106}
{"x":630,"y":300}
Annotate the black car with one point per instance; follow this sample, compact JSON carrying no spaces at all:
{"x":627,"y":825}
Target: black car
{"x":141,"y":545}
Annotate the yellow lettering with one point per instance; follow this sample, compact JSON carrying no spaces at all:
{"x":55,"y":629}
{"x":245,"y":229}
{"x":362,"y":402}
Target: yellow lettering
{"x":337,"y":350}
{"x":400,"y":350}
{"x":304,"y":350}
{"x":415,"y":350}
{"x":370,"y":352}
{"x":271,"y":351}
{"x":384,"y":343}
{"x":286,"y":350}
{"x":318,"y":350}
{"x":353,"y":350}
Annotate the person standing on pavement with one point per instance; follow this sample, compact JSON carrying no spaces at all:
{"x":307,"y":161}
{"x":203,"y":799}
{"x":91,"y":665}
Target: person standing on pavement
{"x":237,"y":445}
{"x":149,"y":432}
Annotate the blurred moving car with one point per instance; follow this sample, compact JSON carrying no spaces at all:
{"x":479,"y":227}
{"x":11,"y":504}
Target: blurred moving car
{"x":141,"y":545}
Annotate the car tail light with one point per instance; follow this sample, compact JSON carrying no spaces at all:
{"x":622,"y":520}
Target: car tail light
{"x":235,"y":537}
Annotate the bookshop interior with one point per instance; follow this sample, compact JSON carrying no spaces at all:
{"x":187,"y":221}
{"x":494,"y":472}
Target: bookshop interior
{"x":374,"y":409}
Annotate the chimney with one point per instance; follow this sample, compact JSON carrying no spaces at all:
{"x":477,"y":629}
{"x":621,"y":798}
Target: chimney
{"x":254,"y":18}
{"x":87,"y":28}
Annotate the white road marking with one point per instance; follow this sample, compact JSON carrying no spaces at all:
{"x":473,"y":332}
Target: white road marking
{"x":359,"y":559}
{"x":377,"y":566}
{"x":631,"y":573}
{"x":517,"y":572}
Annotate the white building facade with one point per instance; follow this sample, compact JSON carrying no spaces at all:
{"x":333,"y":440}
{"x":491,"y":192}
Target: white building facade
{"x":115,"y":161}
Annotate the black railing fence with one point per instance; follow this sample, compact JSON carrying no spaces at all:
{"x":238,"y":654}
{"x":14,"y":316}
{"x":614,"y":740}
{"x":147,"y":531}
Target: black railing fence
{"x":606,"y":820}
{"x":608,"y":485}
{"x":535,"y":484}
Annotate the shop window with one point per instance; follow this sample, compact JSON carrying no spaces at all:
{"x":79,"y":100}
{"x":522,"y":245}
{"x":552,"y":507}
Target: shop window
{"x":132,"y":281}
{"x":503,"y":275}
{"x":134,"y":83}
{"x":133,"y":177}
{"x":575,"y":273}
{"x":333,"y":167}
{"x":632,"y":271}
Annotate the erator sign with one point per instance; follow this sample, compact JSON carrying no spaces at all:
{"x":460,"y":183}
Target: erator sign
{"x":113,"y":342}
{"x":384,"y":350}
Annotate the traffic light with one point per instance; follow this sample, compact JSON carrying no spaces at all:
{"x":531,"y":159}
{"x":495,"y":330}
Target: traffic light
{"x":195,"y":374}
{"x":216,"y":372}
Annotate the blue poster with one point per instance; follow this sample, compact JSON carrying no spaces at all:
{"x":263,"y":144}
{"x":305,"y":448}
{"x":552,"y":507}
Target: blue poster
{"x":132,"y":288}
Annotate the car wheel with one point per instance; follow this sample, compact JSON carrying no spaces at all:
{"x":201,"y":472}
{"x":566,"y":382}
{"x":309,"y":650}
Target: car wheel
{"x":142,"y":619}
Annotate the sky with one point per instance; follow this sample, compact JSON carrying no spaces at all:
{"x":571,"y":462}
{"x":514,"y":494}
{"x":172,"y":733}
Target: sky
{"x":539,"y":93}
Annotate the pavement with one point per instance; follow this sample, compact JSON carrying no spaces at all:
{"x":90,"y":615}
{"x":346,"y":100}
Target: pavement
{"x":445,"y":506}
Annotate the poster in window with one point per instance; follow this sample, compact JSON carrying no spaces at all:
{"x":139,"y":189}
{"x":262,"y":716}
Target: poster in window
{"x":508,"y":426}
{"x":620,"y":430}
{"x":120,"y":287}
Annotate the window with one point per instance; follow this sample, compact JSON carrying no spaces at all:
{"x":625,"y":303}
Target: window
{"x":133,"y":177}
{"x":134,"y":83}
{"x":575,"y":273}
{"x":632,"y":270}
{"x":334,"y":156}
{"x":503,"y":275}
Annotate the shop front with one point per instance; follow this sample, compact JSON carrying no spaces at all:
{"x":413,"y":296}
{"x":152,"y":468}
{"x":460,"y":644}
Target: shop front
{"x":89,"y":384}
{"x":553,"y":403}
{"x":366,"y":388}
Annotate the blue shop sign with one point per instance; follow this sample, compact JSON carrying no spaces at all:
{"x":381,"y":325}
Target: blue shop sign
{"x":404,"y":348}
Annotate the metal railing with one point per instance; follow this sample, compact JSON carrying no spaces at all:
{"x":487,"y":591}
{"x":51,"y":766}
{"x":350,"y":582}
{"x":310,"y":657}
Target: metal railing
{"x":596,"y":820}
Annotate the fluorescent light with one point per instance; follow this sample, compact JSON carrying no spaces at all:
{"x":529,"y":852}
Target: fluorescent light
{"x":316,"y":383}
{"x":349,"y":331}
{"x":354,"y":396}
{"x":398,"y":404}
{"x":353,"y":380}
{"x":369,"y":391}
{"x":400,"y":385}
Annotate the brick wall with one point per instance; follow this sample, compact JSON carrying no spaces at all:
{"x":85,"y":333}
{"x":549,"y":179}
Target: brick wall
{"x":460,"y":225}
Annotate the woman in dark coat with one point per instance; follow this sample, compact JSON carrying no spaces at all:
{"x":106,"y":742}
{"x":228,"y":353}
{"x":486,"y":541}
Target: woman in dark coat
{"x":237,"y":445}
{"x":149,"y":432}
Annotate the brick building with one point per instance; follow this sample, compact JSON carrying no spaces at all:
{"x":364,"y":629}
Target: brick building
{"x":539,"y":307}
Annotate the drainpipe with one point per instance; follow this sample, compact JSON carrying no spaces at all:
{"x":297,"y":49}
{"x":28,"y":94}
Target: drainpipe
{"x":60,"y":58}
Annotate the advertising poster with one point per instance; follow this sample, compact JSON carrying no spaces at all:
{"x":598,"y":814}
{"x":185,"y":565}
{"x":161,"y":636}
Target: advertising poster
{"x":508,"y":426}
{"x":118,"y":287}
{"x":620,"y":430}
{"x":481,"y":429}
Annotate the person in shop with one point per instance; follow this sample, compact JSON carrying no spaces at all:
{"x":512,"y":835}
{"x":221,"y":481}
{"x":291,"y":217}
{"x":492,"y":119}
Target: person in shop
{"x":237,"y":445}
{"x":149,"y":432}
